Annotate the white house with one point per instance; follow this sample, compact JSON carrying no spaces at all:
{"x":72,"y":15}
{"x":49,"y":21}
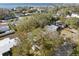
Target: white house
{"x":73,"y":15}
{"x":6,"y":44}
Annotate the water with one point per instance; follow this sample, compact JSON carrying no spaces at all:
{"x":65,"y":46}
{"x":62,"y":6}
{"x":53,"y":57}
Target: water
{"x":14,"y":5}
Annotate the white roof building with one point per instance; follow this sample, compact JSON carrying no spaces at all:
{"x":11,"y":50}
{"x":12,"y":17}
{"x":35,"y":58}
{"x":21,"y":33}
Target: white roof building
{"x":73,"y":15}
{"x":6,"y":44}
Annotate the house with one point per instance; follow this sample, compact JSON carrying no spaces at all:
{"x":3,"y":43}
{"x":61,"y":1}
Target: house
{"x":18,"y":14}
{"x":4,"y":28}
{"x":27,"y":14}
{"x":7,"y":17}
{"x":6,"y":45}
{"x":73,"y":15}
{"x":7,"y":33}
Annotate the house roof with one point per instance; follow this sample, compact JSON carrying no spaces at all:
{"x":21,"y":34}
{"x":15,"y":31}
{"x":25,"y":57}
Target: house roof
{"x":4,"y":28}
{"x":73,"y":15}
{"x":6,"y":44}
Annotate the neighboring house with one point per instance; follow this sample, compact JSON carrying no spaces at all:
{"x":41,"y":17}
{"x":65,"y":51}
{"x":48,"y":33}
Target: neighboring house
{"x":7,"y":33}
{"x":6,"y":45}
{"x":4,"y":28}
{"x":27,"y":14}
{"x":18,"y":14}
{"x":21,"y":14}
{"x":73,"y":15}
{"x":14,"y":9}
{"x":9,"y":17}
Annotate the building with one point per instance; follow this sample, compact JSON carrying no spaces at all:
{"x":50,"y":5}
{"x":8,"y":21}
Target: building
{"x":7,"y":33}
{"x":6,"y":45}
{"x":60,"y":25}
{"x":4,"y":29}
{"x":73,"y":15}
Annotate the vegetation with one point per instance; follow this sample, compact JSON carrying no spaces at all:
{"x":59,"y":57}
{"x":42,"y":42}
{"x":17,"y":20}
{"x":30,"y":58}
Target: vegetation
{"x":46,"y":44}
{"x":35,"y":40}
{"x":31,"y":32}
{"x":72,"y":22}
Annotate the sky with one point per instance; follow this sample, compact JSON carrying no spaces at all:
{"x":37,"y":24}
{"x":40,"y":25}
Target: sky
{"x":13,"y":5}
